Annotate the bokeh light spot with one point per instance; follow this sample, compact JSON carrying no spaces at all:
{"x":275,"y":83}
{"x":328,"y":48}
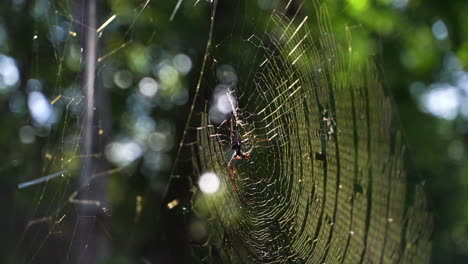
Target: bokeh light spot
{"x":209,"y":182}
{"x":56,"y":34}
{"x":40,"y":108}
{"x":27,"y":134}
{"x":198,"y":231}
{"x":156,"y":161}
{"x":442,"y":101}
{"x":9,"y":74}
{"x":148,"y":87}
{"x":123,"y":153}
{"x":182,"y":63}
{"x":439,"y":30}
{"x":359,"y":5}
{"x":226,"y":74}
{"x":223,"y":103}
{"x":157,"y":141}
{"x":123,"y":79}
{"x":400,"y":4}
{"x":33,"y":85}
{"x":168,"y":75}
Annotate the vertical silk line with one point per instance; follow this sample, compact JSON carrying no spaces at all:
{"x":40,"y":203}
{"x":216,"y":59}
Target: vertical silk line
{"x":197,"y":89}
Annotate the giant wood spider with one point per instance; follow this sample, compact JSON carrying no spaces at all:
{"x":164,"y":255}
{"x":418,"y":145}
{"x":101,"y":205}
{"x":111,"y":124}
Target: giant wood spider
{"x":236,"y":141}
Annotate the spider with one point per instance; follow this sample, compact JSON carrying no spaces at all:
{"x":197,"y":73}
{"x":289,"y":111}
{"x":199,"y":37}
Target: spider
{"x":236,"y":143}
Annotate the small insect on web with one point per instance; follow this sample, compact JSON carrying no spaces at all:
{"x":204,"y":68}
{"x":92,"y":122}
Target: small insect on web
{"x":229,"y":136}
{"x":329,"y":123}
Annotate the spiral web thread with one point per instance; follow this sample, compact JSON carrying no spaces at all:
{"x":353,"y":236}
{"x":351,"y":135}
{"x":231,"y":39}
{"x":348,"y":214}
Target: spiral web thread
{"x":329,"y":185}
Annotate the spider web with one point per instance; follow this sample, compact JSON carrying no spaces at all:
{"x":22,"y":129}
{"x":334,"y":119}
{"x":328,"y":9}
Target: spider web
{"x":329,"y":184}
{"x":326,"y":178}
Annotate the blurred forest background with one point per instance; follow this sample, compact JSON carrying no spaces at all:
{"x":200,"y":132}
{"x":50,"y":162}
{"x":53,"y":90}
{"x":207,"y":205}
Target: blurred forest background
{"x":149,"y":59}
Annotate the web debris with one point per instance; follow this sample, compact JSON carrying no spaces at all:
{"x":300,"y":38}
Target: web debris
{"x":41,"y":179}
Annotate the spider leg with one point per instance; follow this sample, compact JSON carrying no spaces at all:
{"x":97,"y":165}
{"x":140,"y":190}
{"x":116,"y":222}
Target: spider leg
{"x":231,"y":170}
{"x":231,"y":177}
{"x":255,"y":138}
{"x":255,"y":175}
{"x":222,"y":123}
{"x":233,"y":165}
{"x":246,"y":157}
{"x":221,"y":141}
{"x":261,"y":139}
